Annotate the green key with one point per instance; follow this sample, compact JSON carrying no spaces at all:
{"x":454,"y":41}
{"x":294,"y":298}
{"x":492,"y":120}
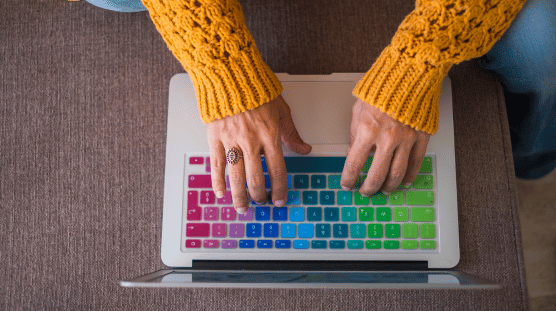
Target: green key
{"x":423,"y":182}
{"x":419,"y":197}
{"x":349,"y":214}
{"x":373,"y":244}
{"x":357,"y":231}
{"x":392,"y":231}
{"x":358,"y":199}
{"x":409,"y":244}
{"x":426,"y":167}
{"x":401,"y":214}
{"x":428,"y":244}
{"x":378,"y":198}
{"x":344,"y":197}
{"x":428,"y":231}
{"x":421,"y":214}
{"x":383,"y":214}
{"x":355,"y":244}
{"x":367,"y":165}
{"x":374,"y":230}
{"x":409,"y":231}
{"x":391,"y":244}
{"x":334,"y":181}
{"x":396,"y":198}
{"x":361,"y":180}
{"x":365,"y":214}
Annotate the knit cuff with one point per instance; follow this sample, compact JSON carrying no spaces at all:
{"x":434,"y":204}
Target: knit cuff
{"x":234,"y":85}
{"x":404,"y":88}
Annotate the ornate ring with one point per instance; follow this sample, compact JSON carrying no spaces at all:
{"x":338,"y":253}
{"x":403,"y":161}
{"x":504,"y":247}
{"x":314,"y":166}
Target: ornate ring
{"x":233,"y":155}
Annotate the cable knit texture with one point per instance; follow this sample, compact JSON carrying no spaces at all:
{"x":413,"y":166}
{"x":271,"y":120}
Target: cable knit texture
{"x":214,"y":46}
{"x":406,"y":78}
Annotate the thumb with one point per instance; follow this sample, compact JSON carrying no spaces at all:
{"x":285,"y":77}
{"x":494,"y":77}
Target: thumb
{"x":290,"y":136}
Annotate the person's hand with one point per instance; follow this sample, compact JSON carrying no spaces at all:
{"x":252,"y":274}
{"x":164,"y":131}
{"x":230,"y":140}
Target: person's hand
{"x":254,"y":132}
{"x":399,"y":151}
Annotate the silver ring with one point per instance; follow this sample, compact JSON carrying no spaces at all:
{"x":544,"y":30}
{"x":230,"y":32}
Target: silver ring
{"x":233,"y":155}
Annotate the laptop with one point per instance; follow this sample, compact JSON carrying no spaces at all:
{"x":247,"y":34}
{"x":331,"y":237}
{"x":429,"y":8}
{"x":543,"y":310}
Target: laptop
{"x":325,"y":237}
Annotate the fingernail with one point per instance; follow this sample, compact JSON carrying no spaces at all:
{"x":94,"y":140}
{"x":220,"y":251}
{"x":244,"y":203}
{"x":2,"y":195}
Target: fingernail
{"x":385,"y":192}
{"x":363,"y":195}
{"x":241,"y":210}
{"x":219,"y":194}
{"x":407,"y":185}
{"x":279,"y":203}
{"x":346,"y":188}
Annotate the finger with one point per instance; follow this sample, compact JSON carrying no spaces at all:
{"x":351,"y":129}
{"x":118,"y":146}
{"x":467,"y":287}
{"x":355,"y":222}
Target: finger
{"x":378,"y":171}
{"x":358,"y":154}
{"x":255,"y":176}
{"x":398,"y":167}
{"x":355,"y":115}
{"x":237,"y":184}
{"x":416,"y":158}
{"x":277,"y":173}
{"x":289,"y":134}
{"x":218,"y":167}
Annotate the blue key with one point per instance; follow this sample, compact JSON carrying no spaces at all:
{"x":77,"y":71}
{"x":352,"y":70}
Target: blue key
{"x":305,"y":231}
{"x":287,"y":231}
{"x":318,"y":244}
{"x":267,"y":181}
{"x":253,"y":230}
{"x":327,"y":198}
{"x":264,"y":243}
{"x":323,"y":231}
{"x":301,"y":181}
{"x":331,"y":214}
{"x":289,"y":181}
{"x":270,"y":230}
{"x":318,"y":181}
{"x":282,"y":244}
{"x":280,"y":213}
{"x":339,"y":231}
{"x":294,"y":198}
{"x":297,"y":214}
{"x":301,"y":244}
{"x":246,"y":243}
{"x":314,"y":213}
{"x":262,"y":213}
{"x":310,"y":198}
{"x":337,"y":244}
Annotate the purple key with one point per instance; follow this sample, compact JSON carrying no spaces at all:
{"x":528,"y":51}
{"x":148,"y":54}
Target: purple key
{"x":229,"y":244}
{"x":227,"y":182}
{"x":247,"y":216}
{"x":211,"y":213}
{"x":228,"y":213}
{"x":207,"y":197}
{"x":210,"y":243}
{"x":227,"y":199}
{"x":219,"y":230}
{"x":196,"y":160}
{"x":199,"y":181}
{"x":237,"y":230}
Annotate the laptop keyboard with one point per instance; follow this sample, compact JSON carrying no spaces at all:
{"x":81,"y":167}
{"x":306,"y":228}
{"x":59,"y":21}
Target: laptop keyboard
{"x":319,"y":215}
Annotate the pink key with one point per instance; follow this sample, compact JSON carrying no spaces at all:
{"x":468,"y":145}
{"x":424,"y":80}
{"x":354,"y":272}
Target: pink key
{"x":219,"y":230}
{"x":196,"y":160}
{"x":228,"y":213}
{"x":193,"y":243}
{"x":199,"y":181}
{"x":211,"y":213}
{"x":237,"y":230}
{"x":229,"y":244}
{"x":208,"y":160}
{"x":207,"y":168}
{"x":210,"y":243}
{"x":197,"y":230}
{"x":193,"y":198}
{"x":193,"y":213}
{"x":207,"y":197}
{"x":227,"y":199}
{"x":246,"y":216}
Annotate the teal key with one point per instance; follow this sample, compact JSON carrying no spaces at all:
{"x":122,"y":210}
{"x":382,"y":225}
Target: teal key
{"x":355,"y":244}
{"x":327,"y":198}
{"x":293,"y":198}
{"x":426,"y":167}
{"x":378,"y":198}
{"x":344,"y":197}
{"x":331,"y":214}
{"x":301,"y":181}
{"x":314,"y":213}
{"x":297,"y":214}
{"x":392,"y":231}
{"x":318,"y":181}
{"x":318,"y":244}
{"x":340,"y":231}
{"x":383,"y":214}
{"x":338,"y":244}
{"x":322,"y":231}
{"x":334,"y":181}
{"x":349,"y":214}
{"x":419,"y":197}
{"x":391,"y":244}
{"x":422,"y":214}
{"x":423,"y":182}
{"x":357,"y":231}
{"x":310,"y":198}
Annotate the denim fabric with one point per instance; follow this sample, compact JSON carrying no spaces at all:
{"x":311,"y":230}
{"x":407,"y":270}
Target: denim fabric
{"x":120,"y":5}
{"x":524,"y":60}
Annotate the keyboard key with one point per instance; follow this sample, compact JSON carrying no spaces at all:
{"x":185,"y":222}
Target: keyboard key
{"x":192,"y":243}
{"x":337,"y":244}
{"x":378,"y":198}
{"x":322,"y":231}
{"x":194,"y":213}
{"x":409,"y":231}
{"x":358,"y":199}
{"x":253,"y":230}
{"x":365,"y":214}
{"x":367,"y":164}
{"x":391,"y":244}
{"x":327,"y":198}
{"x":419,"y":197}
{"x":422,"y":214}
{"x":270,"y":230}
{"x":229,"y":244}
{"x":293,"y":198}
{"x":196,"y":160}
{"x":357,"y":231}
{"x":427,"y":244}
{"x":193,"y":198}
{"x":392,"y":231}
{"x":227,"y":199}
{"x":401,"y":214}
{"x":197,"y":230}
{"x":280,"y":213}
{"x":355,"y":244}
{"x":340,"y":231}
{"x":383,"y":214}
{"x":314,"y":164}
{"x":247,"y":216}
{"x":331,"y":214}
{"x":409,"y":244}
{"x":199,"y":181}
{"x":318,"y":244}
{"x":349,"y":214}
{"x":289,"y":181}
{"x":282,"y":244}
{"x":264,"y":243}
{"x":396,"y":198}
{"x":428,"y":231}
{"x":305,"y":231}
{"x":266,"y":181}
{"x":207,"y":168}
{"x":375,"y":231}
{"x":227,"y":182}
{"x":300,"y":244}
{"x":219,"y":230}
{"x":318,"y":181}
{"x":211,"y":243}
{"x":334,"y":181}
{"x":423,"y":182}
{"x":228,"y":213}
{"x":237,"y":230}
{"x":287,"y":230}
{"x":310,"y":198}
{"x":262,"y":213}
{"x":210,"y":213}
{"x":344,"y":197}
{"x":314,"y":214}
{"x":246,"y":243}
{"x":426,"y":166}
{"x":301,"y":182}
{"x":297,"y":214}
{"x":373,"y":244}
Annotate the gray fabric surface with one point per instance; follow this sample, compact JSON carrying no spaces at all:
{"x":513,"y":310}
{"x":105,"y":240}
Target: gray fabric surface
{"x":83,"y":104}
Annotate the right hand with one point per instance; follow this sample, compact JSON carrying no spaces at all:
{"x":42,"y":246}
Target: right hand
{"x":254,"y":132}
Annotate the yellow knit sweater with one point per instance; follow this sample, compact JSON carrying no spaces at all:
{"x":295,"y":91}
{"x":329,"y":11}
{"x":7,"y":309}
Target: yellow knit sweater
{"x":210,"y":39}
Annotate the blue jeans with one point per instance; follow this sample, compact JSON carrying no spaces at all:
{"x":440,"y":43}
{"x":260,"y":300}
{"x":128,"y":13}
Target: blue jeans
{"x":524,"y":60}
{"x":120,"y":5}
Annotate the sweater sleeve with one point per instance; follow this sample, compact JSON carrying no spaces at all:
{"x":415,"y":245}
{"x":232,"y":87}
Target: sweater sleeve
{"x":211,"y":41}
{"x":405,"y":80}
